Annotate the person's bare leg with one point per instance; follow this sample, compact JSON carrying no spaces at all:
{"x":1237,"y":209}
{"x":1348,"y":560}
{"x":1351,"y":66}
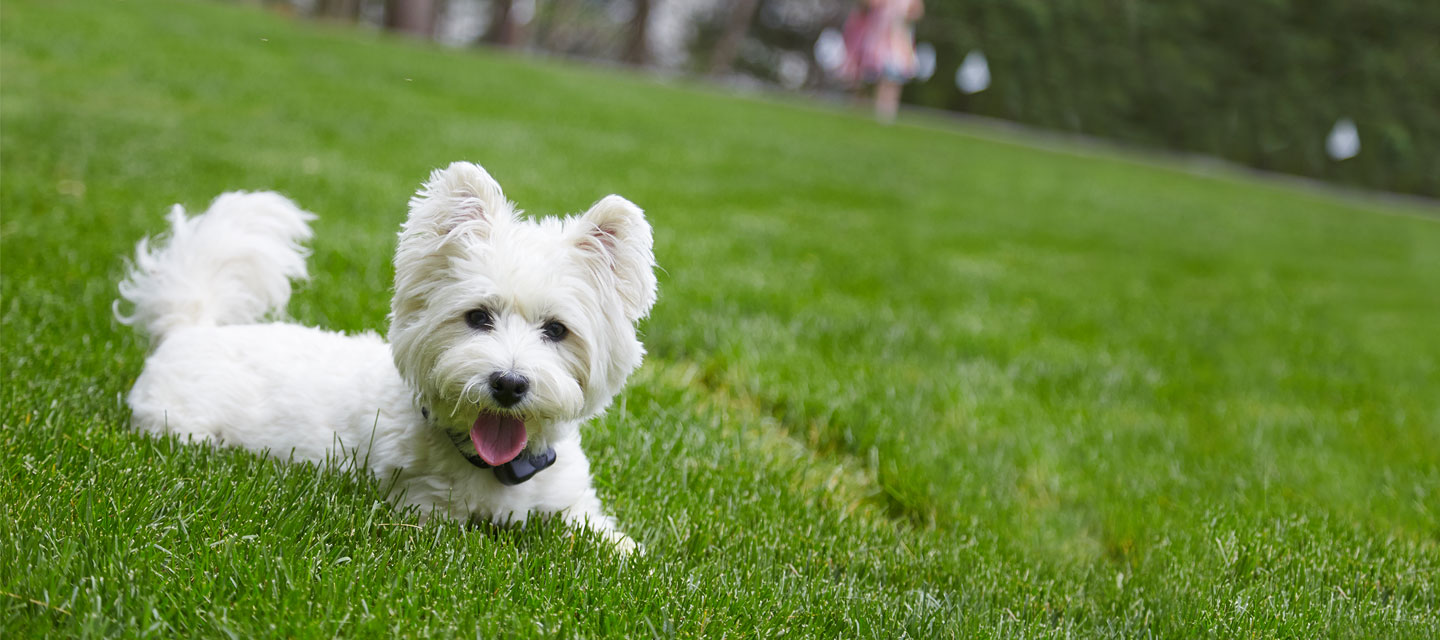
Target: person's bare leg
{"x":887,"y":100}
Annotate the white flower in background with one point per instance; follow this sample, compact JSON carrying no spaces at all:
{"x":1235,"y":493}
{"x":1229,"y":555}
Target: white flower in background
{"x":924,"y":61}
{"x":522,"y":12}
{"x":1343,"y":142}
{"x":793,"y":70}
{"x":973,"y":76}
{"x":830,"y":50}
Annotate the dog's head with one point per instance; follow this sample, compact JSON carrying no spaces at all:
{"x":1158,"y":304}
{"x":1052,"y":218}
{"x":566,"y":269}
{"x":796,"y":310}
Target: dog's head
{"x":514,"y":330}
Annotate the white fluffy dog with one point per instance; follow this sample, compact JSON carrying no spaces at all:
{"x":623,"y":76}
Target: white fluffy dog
{"x":505,"y":335}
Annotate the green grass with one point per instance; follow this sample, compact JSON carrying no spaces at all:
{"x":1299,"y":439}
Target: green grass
{"x":922,"y":381}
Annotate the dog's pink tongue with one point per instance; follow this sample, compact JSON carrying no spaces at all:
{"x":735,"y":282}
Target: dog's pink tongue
{"x":498,"y":439}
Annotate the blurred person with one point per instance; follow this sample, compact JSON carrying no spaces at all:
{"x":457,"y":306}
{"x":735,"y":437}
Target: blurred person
{"x":880,"y":49}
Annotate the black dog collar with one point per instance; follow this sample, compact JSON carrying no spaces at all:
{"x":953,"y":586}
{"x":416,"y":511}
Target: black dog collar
{"x":522,"y":468}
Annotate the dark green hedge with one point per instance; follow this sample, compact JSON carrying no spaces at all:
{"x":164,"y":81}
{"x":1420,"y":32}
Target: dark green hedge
{"x":1258,"y":81}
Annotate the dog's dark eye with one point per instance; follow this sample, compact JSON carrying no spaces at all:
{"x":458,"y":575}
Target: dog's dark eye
{"x":554,"y":331}
{"x":479,"y":319}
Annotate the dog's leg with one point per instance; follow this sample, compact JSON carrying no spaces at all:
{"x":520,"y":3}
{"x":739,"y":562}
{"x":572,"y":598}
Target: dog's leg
{"x":587,"y":513}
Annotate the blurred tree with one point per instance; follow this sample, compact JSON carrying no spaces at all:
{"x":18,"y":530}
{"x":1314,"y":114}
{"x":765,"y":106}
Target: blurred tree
{"x":723,"y":56}
{"x":503,"y":30}
{"x":637,"y":41}
{"x":776,"y":45}
{"x":1260,"y":82}
{"x":339,"y":9}
{"x":413,"y":17}
{"x":552,"y":31}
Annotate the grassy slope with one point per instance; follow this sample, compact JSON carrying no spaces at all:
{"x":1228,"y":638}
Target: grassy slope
{"x":903,"y":380}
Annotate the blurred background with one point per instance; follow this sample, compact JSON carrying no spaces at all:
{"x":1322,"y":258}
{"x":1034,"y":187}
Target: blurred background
{"x":929,"y":380}
{"x":1340,"y":90}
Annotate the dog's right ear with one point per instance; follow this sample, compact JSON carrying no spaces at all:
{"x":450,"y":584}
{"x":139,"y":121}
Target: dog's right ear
{"x":460,"y":198}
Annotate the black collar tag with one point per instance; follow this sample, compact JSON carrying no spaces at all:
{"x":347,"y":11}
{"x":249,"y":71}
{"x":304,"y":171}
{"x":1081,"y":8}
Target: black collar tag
{"x":522,"y":468}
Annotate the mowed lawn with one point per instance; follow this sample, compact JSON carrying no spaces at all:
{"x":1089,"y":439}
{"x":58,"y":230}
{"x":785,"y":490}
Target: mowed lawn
{"x":914,"y":381}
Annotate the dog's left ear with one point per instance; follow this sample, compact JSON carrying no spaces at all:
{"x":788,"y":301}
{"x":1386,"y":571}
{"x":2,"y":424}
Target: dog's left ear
{"x":615,"y":239}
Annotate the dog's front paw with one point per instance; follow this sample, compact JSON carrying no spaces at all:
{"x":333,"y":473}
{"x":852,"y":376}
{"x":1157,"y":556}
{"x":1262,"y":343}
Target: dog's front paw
{"x":623,"y":544}
{"x":618,"y":541}
{"x":587,"y":515}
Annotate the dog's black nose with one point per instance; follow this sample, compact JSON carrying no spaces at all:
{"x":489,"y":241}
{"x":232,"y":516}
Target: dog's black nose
{"x":508,"y":388}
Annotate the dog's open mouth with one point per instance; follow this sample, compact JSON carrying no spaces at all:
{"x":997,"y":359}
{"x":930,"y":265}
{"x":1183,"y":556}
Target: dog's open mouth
{"x":498,"y":438}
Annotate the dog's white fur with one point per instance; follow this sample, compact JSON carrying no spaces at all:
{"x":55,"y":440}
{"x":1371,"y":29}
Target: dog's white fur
{"x":217,"y":373}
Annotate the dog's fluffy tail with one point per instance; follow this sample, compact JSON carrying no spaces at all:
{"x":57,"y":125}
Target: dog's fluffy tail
{"x":230,"y":265}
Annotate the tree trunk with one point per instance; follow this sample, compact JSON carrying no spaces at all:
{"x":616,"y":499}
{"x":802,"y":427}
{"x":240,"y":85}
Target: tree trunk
{"x":637,"y":43}
{"x":413,"y":17}
{"x":502,"y":31}
{"x":729,"y":44}
{"x":338,"y":9}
